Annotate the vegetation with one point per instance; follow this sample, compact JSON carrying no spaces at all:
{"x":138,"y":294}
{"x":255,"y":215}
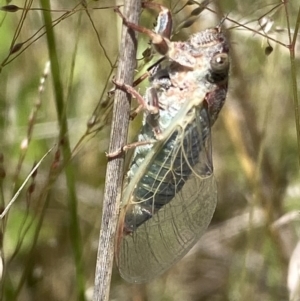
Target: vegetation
{"x":49,"y":237}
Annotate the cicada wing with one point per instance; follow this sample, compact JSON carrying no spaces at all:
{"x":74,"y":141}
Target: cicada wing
{"x":173,"y":230}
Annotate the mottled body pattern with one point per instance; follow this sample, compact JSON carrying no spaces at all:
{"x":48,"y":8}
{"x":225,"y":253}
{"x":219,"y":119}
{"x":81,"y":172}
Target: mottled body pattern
{"x":170,"y":192}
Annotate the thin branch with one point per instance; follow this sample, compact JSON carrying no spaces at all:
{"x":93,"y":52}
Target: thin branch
{"x":114,"y":172}
{"x":34,"y":169}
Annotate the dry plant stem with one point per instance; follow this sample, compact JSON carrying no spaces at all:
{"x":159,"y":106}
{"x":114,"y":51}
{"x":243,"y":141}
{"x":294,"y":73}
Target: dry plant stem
{"x":114,"y":172}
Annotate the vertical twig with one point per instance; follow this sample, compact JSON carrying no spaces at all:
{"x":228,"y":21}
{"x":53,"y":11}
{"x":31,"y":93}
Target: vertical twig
{"x":114,"y":172}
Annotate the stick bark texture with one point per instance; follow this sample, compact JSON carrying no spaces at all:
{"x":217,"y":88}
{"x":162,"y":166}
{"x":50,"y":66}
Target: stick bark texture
{"x":114,"y":171}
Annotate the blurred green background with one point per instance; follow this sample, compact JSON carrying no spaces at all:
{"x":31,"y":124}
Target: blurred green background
{"x":45,"y":243}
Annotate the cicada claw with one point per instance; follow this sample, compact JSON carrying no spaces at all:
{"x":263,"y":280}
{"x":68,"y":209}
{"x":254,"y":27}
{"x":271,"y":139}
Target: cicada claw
{"x":125,"y":148}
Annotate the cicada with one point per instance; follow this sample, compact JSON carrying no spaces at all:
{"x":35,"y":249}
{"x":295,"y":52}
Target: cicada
{"x":170,"y":192}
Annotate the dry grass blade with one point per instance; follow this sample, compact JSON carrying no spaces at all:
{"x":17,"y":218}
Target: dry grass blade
{"x":11,"y":202}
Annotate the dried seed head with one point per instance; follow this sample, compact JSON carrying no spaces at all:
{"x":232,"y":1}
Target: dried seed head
{"x":92,"y":121}
{"x":15,"y":48}
{"x":186,"y":23}
{"x":10,"y":8}
{"x":31,"y":188}
{"x":197,"y":11}
{"x":268,"y":50}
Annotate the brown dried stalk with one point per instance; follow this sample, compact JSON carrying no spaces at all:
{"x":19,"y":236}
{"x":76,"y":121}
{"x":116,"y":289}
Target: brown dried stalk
{"x":114,"y":172}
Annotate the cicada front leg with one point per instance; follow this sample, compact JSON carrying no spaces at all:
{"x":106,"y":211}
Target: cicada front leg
{"x":164,"y":24}
{"x":151,"y":107}
{"x":160,"y":40}
{"x":160,"y":37}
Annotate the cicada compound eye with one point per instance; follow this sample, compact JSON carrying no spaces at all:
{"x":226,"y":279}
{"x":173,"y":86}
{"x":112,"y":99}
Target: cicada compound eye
{"x":220,"y":63}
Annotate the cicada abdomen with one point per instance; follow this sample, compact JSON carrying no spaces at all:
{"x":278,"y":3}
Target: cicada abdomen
{"x":170,"y":193}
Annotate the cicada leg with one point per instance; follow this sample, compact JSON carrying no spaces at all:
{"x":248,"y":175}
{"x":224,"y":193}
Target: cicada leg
{"x":164,"y":25}
{"x":148,"y":72}
{"x":152,"y":117}
{"x":151,"y":109}
{"x":160,"y":37}
{"x":126,"y":147}
{"x":160,"y":43}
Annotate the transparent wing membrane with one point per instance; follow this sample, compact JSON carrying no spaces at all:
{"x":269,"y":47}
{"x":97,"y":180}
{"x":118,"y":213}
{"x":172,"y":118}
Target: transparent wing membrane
{"x":175,"y":216}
